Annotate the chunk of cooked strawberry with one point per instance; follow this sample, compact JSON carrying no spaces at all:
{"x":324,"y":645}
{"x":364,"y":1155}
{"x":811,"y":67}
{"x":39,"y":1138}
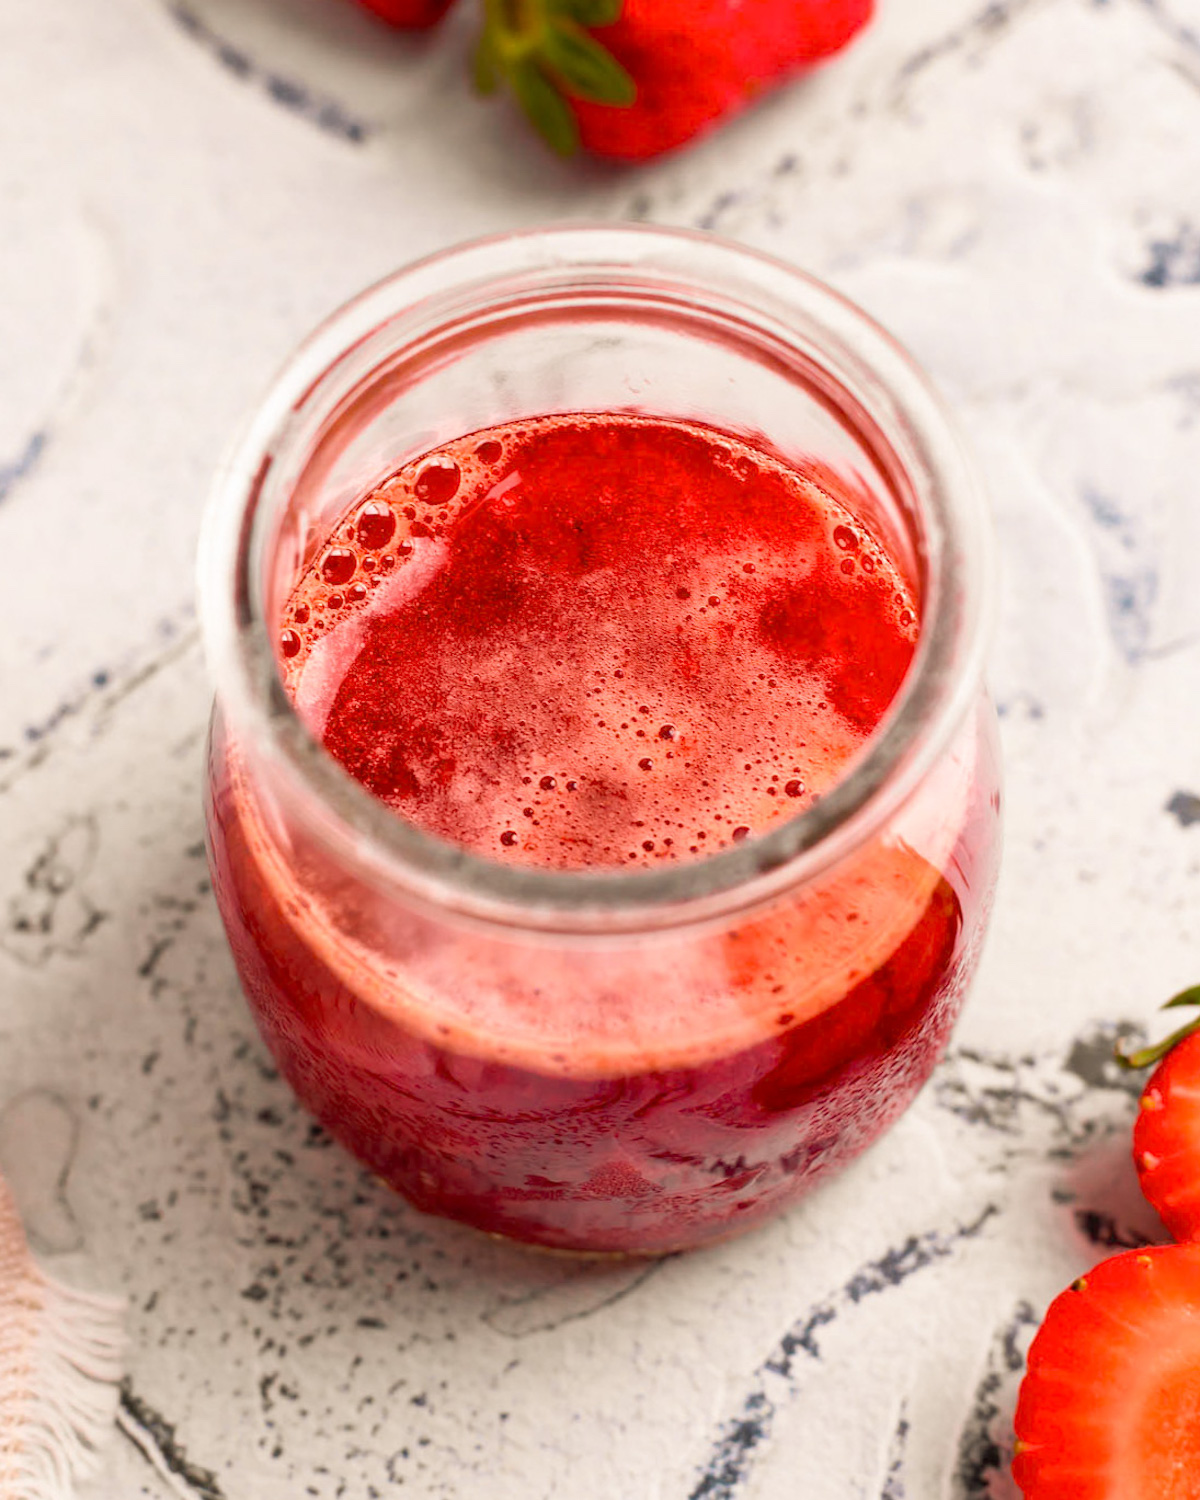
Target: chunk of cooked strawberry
{"x":1108,"y":1407}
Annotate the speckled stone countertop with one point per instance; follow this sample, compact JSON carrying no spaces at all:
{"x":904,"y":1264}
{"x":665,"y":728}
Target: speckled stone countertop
{"x":186,"y":187}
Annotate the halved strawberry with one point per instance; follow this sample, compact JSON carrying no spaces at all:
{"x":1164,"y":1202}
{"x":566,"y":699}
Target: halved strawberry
{"x":1108,"y":1407}
{"x":1166,"y":1138}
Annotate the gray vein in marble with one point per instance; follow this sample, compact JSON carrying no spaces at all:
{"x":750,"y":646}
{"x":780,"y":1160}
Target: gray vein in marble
{"x":51,"y":913}
{"x":1184,"y":807}
{"x":1173,"y":261}
{"x":585,"y":1292}
{"x":315,"y":108}
{"x":98,"y":317}
{"x":1128,"y":573}
{"x":982,"y":1448}
{"x":154,"y":1438}
{"x":984,"y":29}
{"x":104,"y":690}
{"x":23,"y":465}
{"x":1092,"y":1058}
{"x":1103,"y":1231}
{"x":893,"y":1484}
{"x":1164,"y":17}
{"x":729,"y":1466}
{"x":39,"y":1133}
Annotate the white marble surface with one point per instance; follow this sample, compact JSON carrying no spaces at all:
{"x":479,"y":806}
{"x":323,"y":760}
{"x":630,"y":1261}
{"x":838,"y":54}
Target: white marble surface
{"x":184,"y":189}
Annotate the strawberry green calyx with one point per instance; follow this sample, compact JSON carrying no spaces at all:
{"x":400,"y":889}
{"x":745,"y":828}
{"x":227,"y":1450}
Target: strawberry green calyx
{"x":545,"y":54}
{"x":1146,"y":1057}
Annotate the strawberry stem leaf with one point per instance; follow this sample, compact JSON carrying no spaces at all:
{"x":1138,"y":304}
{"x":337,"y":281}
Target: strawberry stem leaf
{"x":540,"y":49}
{"x":547,"y":110}
{"x":590,"y":12}
{"x":1190,"y":996}
{"x":585,"y":68}
{"x":485,"y":65}
{"x":1146,"y":1057}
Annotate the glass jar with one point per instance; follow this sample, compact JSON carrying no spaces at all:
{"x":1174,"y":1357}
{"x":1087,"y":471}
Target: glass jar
{"x":737,"y":1027}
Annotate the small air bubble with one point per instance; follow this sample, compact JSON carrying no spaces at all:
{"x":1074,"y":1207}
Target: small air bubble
{"x":844,"y":538}
{"x":547,"y":783}
{"x":335,"y":601}
{"x":794,"y":788}
{"x":300,"y":614}
{"x":528,"y":811}
{"x":338,"y":565}
{"x":289,"y":642}
{"x":490,"y":451}
{"x":646,"y":764}
{"x":740,"y":833}
{"x":508,"y":838}
{"x":357,"y":592}
{"x":668,"y":732}
{"x":438,"y":482}
{"x":682,"y":593}
{"x":713,"y":600}
{"x":748,"y":568}
{"x":648,"y":845}
{"x":868,"y":564}
{"x":847,"y":565}
{"x":907,"y":617}
{"x":376,"y":525}
{"x":572,"y":786}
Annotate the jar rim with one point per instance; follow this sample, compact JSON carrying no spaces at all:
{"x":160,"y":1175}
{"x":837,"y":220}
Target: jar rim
{"x":775,"y":298}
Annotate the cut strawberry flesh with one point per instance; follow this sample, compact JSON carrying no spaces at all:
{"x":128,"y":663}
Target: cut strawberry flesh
{"x":1108,"y":1408}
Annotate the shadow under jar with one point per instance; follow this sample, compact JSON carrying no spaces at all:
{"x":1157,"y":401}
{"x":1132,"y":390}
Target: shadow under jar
{"x":653,"y":1044}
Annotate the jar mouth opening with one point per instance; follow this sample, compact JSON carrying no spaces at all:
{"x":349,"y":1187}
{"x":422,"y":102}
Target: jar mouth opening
{"x":851,"y":363}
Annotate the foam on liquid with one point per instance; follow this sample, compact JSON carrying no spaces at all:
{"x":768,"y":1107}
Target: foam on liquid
{"x":598,"y":641}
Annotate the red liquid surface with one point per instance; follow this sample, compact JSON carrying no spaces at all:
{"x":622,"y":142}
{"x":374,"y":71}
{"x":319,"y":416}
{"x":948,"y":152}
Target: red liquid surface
{"x":606,"y":642}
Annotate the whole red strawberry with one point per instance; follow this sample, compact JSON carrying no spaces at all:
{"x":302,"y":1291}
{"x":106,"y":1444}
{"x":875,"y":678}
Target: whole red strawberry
{"x":1166,"y":1138}
{"x":634,"y":79}
{"x":410,"y":15}
{"x":1108,"y":1406}
{"x":696,"y":62}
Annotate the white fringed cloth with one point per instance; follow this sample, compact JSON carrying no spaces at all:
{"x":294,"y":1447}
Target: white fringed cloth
{"x":60,"y":1364}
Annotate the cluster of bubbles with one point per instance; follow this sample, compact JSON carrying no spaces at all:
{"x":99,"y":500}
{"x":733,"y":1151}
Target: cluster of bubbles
{"x":377,"y":537}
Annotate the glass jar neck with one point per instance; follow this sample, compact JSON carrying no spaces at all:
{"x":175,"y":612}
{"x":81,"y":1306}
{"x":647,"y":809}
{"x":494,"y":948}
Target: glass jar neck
{"x":378,"y":380}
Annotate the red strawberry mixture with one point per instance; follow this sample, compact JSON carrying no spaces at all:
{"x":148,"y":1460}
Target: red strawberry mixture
{"x":1109,"y":1406}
